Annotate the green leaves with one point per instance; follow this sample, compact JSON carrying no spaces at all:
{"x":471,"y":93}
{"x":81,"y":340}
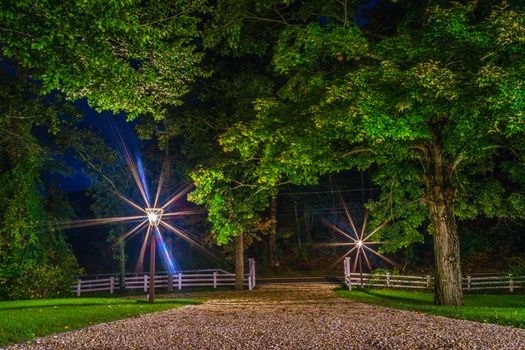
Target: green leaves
{"x":27,"y":236}
{"x":448,"y":84}
{"x":123,"y":56}
{"x":314,"y":44}
{"x":509,"y":28}
{"x":233,"y":203}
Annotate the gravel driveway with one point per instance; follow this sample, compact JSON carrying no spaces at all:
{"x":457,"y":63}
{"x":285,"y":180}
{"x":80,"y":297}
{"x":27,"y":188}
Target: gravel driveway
{"x":285,"y":317}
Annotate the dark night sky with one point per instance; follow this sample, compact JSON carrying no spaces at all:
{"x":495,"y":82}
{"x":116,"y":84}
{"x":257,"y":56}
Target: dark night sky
{"x":361,"y":21}
{"x":101,"y":124}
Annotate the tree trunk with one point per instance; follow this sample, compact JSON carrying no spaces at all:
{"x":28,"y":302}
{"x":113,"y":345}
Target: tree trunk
{"x":446,"y":251}
{"x":299,"y":242}
{"x":440,"y":202}
{"x":122,"y":264}
{"x":272,"y":239}
{"x":307,"y":214}
{"x":239,"y":262}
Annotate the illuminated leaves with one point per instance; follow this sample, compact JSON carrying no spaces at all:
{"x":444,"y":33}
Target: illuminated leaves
{"x":453,"y":80}
{"x":311,"y":45}
{"x":122,"y":56}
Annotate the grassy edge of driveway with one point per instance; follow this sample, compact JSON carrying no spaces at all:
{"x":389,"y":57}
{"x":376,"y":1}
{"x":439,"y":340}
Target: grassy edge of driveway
{"x":24,"y":320}
{"x":502,"y":309}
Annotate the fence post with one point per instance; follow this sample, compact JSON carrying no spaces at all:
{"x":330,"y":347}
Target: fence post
{"x":214,"y":279}
{"x":251,"y":269}
{"x":111,"y":284}
{"x":155,"y":277}
{"x":388,"y":279}
{"x":428,"y":280}
{"x":469,"y":282}
{"x":348,"y":273}
{"x":511,"y":283}
{"x":79,"y":283}
{"x":170,"y":282}
{"x":180,"y":281}
{"x":145,"y":283}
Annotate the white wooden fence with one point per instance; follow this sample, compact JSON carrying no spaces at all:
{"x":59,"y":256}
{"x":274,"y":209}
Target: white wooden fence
{"x":180,"y":280}
{"x":470,"y":282}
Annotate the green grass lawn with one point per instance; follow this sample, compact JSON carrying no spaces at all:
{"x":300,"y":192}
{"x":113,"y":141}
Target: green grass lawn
{"x":26,"y":319}
{"x":501,"y":309}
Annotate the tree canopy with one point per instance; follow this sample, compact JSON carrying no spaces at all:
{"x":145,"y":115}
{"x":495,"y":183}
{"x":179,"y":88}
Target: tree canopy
{"x":124,"y":56}
{"x":434,"y":107}
{"x":429,"y":98}
{"x":397,"y":98}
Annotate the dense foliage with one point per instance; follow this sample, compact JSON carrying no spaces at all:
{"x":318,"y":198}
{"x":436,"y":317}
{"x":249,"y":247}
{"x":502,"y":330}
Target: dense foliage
{"x":429,"y":99}
{"x":121,"y":56}
{"x":35,"y":260}
{"x":436,"y":106}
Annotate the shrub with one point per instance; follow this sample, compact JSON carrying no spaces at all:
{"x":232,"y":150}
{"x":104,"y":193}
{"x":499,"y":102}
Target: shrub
{"x":517,"y":266}
{"x":45,"y":281}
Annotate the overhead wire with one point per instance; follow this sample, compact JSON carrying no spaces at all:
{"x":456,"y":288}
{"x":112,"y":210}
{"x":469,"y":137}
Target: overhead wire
{"x":327,"y":192}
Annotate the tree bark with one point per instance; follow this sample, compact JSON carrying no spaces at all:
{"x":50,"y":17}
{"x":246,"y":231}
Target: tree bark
{"x":272,"y":239}
{"x":446,"y":251}
{"x":239,"y":262}
{"x":440,"y":202}
{"x":299,"y":242}
{"x":307,"y":215}
{"x":122,"y":264}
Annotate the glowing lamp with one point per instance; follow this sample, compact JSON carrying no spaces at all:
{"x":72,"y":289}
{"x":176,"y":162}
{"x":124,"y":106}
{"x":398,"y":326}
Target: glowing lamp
{"x":154,"y":215}
{"x":359,"y":243}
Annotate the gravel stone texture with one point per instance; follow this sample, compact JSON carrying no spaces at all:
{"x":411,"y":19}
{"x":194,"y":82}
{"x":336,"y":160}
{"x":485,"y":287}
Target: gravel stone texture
{"x":299,"y":316}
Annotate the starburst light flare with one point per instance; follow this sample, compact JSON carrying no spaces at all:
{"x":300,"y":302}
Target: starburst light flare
{"x":360,"y":242}
{"x":150,"y":217}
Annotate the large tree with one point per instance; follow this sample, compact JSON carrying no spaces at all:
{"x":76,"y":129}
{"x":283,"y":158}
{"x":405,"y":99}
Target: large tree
{"x":239,"y":40}
{"x":223,"y":182}
{"x":108,"y":175}
{"x":436,"y":104}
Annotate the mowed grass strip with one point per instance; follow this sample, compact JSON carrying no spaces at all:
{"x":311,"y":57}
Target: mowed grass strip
{"x":26,"y":319}
{"x":503,"y":309}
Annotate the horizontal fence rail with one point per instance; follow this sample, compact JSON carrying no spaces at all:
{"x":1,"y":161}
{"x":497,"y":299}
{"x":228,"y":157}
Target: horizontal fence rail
{"x":160,"y":273}
{"x":180,"y":280}
{"x":507,"y":282}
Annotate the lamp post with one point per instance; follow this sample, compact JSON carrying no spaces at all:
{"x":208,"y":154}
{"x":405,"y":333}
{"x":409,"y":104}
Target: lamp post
{"x":154,"y":216}
{"x":152,"y":245}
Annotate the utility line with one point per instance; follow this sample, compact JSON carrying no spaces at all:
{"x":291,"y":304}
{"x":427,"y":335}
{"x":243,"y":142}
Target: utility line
{"x":334,"y":191}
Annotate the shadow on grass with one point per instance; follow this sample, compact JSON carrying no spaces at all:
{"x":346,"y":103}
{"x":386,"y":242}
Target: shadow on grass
{"x":417,"y":299}
{"x":479,"y":301}
{"x":80,"y":305}
{"x":374,"y":295}
{"x":387,"y":298}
